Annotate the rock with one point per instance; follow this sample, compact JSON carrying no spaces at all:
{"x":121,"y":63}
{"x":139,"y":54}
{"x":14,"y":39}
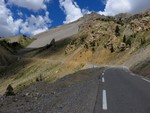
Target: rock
{"x":35,"y":98}
{"x":53,"y":93}
{"x":56,"y":71}
{"x":37,"y":94}
{"x":15,"y":99}
{"x":27,"y":94}
{"x":122,"y":46}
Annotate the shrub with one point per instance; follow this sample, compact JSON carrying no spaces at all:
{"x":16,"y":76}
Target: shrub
{"x":93,"y":49}
{"x":9,"y":91}
{"x":86,"y":46}
{"x":112,"y":49}
{"x":128,"y":42}
{"x":124,"y":39}
{"x":117,"y":31}
{"x":143,"y":41}
{"x":37,"y":79}
{"x":40,"y":78}
{"x":82,"y":38}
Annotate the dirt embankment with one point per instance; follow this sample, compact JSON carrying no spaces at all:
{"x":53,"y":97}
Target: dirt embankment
{"x":140,"y":62}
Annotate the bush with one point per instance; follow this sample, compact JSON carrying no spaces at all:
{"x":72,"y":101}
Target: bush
{"x":40,"y":78}
{"x":124,"y":39}
{"x":86,"y":46}
{"x":143,"y":41}
{"x":37,"y":79}
{"x":117,"y":31}
{"x":82,"y":38}
{"x":128,"y":42}
{"x":9,"y":91}
{"x":112,"y":49}
{"x":93,"y":49}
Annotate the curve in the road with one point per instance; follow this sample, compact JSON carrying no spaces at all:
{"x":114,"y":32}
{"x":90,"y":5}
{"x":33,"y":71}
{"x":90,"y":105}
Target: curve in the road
{"x":121,"y":91}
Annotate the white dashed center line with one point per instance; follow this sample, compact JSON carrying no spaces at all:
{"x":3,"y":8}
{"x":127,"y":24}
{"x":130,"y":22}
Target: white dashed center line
{"x":104,"y":103}
{"x":103,"y":80}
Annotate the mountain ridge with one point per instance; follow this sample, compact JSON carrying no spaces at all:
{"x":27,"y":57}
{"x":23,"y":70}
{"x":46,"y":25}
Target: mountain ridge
{"x":93,"y":39}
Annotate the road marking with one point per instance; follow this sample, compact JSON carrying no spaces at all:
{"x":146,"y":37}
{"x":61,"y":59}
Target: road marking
{"x":132,"y":74}
{"x":146,"y":80}
{"x":103,"y":80}
{"x":104,"y":106}
{"x":102,"y":73}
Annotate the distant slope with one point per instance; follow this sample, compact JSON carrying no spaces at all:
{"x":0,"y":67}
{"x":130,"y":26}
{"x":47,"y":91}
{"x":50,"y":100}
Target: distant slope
{"x":6,"y":55}
{"x":11,"y":39}
{"x":20,"y":40}
{"x":57,"y":33}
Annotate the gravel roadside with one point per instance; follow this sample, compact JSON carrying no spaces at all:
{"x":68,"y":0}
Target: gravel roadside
{"x":75,"y":93}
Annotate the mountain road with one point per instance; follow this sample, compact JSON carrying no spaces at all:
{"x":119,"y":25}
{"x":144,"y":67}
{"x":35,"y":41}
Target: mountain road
{"x":121,"y":91}
{"x":94,"y":90}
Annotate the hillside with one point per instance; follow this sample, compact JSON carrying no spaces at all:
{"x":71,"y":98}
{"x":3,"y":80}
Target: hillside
{"x":93,"y":39}
{"x":57,"y":33}
{"x":7,"y":54}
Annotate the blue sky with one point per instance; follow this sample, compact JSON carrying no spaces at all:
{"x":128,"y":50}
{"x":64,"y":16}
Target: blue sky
{"x":31,"y":17}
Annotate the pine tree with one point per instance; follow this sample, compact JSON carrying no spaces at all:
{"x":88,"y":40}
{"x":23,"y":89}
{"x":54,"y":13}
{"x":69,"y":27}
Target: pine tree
{"x":9,"y":91}
{"x":117,"y":31}
{"x":124,"y":39}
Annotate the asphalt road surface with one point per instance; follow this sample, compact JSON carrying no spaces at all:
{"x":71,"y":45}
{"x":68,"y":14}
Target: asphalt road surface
{"x":122,"y":92}
{"x":95,"y":90}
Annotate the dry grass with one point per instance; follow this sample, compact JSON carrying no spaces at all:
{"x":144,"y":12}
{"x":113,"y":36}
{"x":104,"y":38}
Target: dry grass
{"x":50,"y":70}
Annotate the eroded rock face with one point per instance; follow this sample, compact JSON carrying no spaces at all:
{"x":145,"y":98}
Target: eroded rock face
{"x":141,"y":24}
{"x":102,"y":30}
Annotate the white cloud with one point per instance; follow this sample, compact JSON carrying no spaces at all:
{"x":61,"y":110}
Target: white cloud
{"x":8,"y":26}
{"x":114,"y":7}
{"x":35,"y":24}
{"x":85,"y":11}
{"x":31,"y":25}
{"x":71,"y":9}
{"x":30,"y":4}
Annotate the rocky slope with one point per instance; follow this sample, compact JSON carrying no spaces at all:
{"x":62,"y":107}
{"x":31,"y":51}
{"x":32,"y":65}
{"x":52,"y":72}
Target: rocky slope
{"x":112,"y":39}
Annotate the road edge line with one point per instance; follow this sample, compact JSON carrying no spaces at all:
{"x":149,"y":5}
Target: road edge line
{"x":146,"y":80}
